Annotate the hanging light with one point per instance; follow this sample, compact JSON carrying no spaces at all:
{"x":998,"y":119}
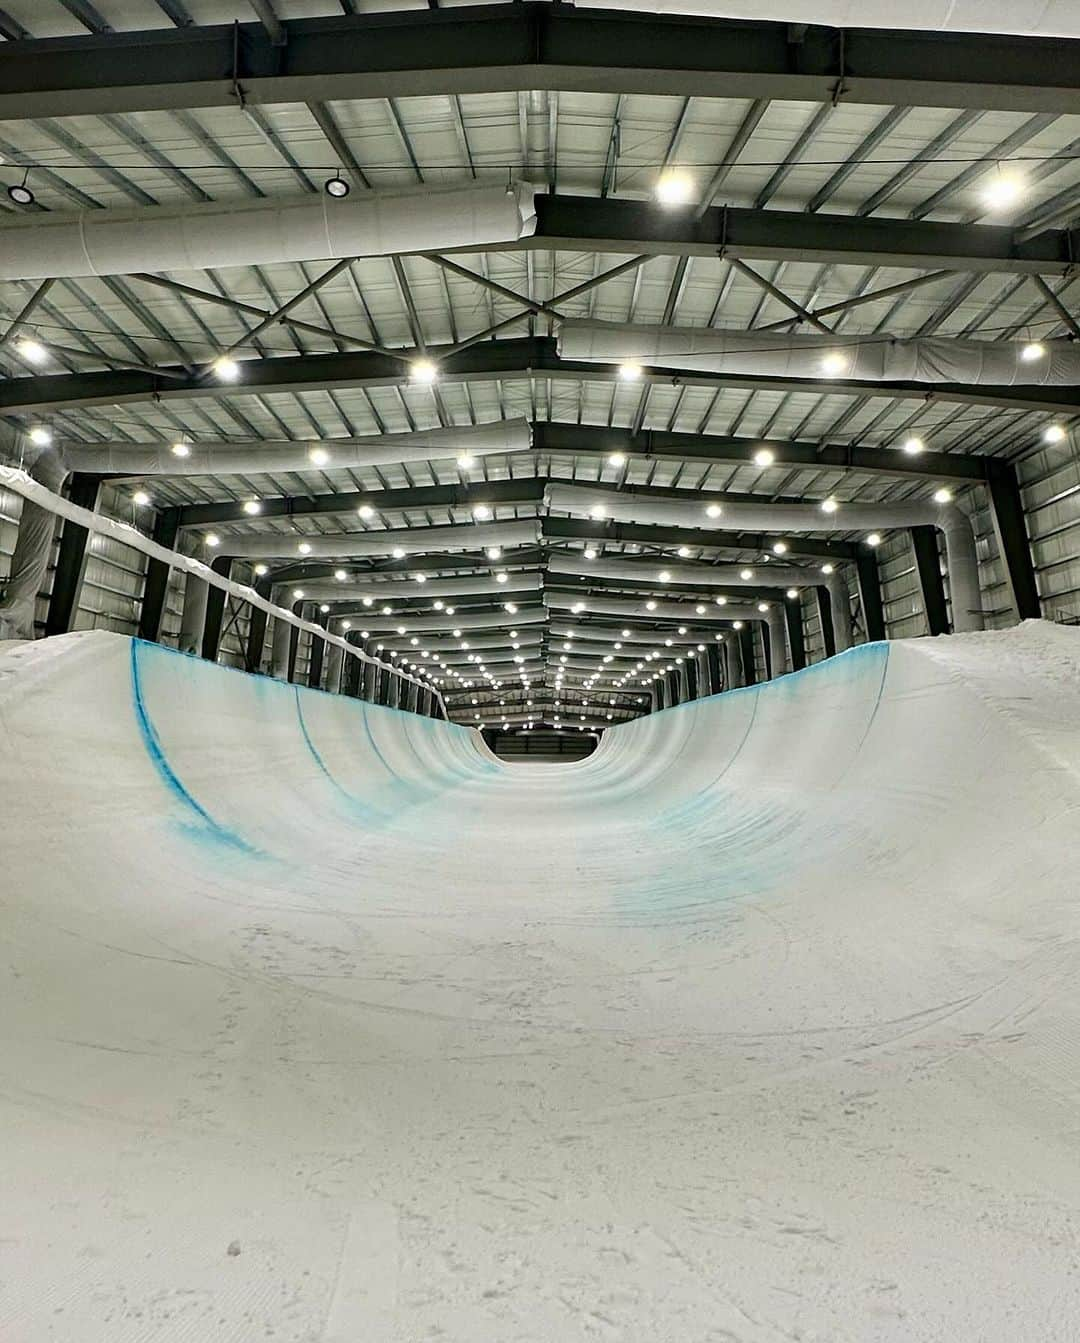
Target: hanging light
{"x":764,"y":457}
{"x":304,"y":548}
{"x":318,"y":456}
{"x":874,"y":539}
{"x":181,"y":450}
{"x":1002,"y":190}
{"x":40,"y":436}
{"x":261,"y":570}
{"x":629,"y":372}
{"x":943,"y":496}
{"x":252,"y":506}
{"x":829,"y":505}
{"x":20,"y":193}
{"x":598,"y":511}
{"x":913,"y":446}
{"x":834,"y":363}
{"x":780,"y":547}
{"x":792,"y":593}
{"x":141,"y":499}
{"x":1032,"y":352}
{"x":481,"y":512}
{"x":336,"y":187}
{"x":340,"y":575}
{"x":713,"y":511}
{"x":212,"y":539}
{"x":1053,"y":433}
{"x":226,"y":368}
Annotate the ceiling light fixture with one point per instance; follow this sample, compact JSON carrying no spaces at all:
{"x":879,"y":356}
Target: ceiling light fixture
{"x":764,"y":457}
{"x":226,"y":368}
{"x":336,"y":187}
{"x":251,"y":507}
{"x":674,"y":188}
{"x":32,"y":350}
{"x":181,"y":450}
{"x":1053,"y":433}
{"x":40,"y":436}
{"x":1032,"y":352}
{"x":424,"y":371}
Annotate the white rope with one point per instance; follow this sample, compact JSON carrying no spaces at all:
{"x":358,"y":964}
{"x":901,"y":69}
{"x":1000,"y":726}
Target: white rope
{"x":22,"y":483}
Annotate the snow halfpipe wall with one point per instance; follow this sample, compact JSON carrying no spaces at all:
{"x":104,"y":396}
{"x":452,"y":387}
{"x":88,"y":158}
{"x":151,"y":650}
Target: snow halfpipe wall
{"x":321,"y":1024}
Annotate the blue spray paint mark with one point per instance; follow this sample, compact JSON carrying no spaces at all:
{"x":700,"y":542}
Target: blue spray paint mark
{"x":369,"y":813}
{"x":154,"y":749}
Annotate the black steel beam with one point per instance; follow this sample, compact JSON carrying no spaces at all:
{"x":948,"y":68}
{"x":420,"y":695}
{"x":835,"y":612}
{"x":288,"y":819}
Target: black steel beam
{"x":499,"y":48}
{"x":716,"y":676}
{"x":253,"y":650}
{"x":796,"y":643}
{"x":869,"y":581}
{"x":215,"y":609}
{"x":730,"y":451}
{"x":156,"y":582}
{"x":318,"y":647}
{"x":71,"y":557}
{"x":924,"y":542}
{"x":588,"y":529}
{"x":1007,"y":514}
{"x":824,"y":607}
{"x":610,"y":224}
{"x":749,"y":657}
{"x":484,"y":362}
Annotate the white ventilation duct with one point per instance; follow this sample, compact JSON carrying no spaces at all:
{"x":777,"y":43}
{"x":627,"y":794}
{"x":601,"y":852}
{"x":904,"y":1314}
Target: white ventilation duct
{"x":561,"y":629}
{"x":389,"y":590}
{"x":445,"y":644}
{"x":718,"y":575}
{"x":778,"y":519}
{"x":1023,"y":18}
{"x":227,"y":233}
{"x":341,"y":454}
{"x":816,"y":357}
{"x":630,"y":608}
{"x":437,"y":621}
{"x":413,"y":540}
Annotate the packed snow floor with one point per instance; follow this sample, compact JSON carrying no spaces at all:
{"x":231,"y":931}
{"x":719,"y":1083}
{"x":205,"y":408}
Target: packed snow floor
{"x":318,"y":1023}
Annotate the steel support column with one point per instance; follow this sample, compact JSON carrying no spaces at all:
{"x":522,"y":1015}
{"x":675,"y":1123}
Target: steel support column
{"x":924,"y":542}
{"x":869,"y":581}
{"x":318,"y":648}
{"x":1007,"y":515}
{"x":748,"y":654}
{"x":796,"y":642}
{"x":824,"y":606}
{"x":67,"y":581}
{"x":215,"y":610}
{"x":156,"y":582}
{"x":256,"y":640}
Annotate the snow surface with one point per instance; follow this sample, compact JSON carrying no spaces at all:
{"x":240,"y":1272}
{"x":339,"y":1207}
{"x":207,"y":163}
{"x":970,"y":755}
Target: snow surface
{"x":318,"y":1023}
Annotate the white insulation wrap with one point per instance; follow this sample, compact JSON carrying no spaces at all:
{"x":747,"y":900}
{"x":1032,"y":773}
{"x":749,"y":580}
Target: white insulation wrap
{"x":386,"y":590}
{"x":342,"y":454}
{"x":414,"y":541}
{"x":929,"y":359}
{"x":1027,"y":18}
{"x":951,"y":521}
{"x":308,"y":228}
{"x":420,"y":622}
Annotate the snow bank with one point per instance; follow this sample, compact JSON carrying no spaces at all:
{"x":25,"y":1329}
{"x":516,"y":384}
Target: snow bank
{"x":319,"y":1023}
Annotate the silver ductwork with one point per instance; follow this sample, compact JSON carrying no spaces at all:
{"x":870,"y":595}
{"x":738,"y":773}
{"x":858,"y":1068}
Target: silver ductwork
{"x":384,"y":590}
{"x":193,"y":237}
{"x":413,"y":540}
{"x":777,"y":519}
{"x":439,"y":622}
{"x":717,"y":575}
{"x":324,"y":454}
{"x":1023,"y":18}
{"x":817,"y":358}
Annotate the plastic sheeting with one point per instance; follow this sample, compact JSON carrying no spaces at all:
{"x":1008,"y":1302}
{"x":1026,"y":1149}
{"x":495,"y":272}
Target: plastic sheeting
{"x":876,"y":358}
{"x":762,"y":1023}
{"x":307,"y":228}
